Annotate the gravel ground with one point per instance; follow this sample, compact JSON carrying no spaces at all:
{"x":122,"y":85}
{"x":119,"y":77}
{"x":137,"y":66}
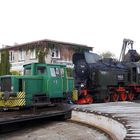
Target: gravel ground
{"x":56,"y":131}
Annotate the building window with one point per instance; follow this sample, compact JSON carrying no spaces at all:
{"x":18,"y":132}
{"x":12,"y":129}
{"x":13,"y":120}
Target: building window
{"x":55,"y":53}
{"x":32,"y":54}
{"x":21,"y":54}
{"x":11,"y":56}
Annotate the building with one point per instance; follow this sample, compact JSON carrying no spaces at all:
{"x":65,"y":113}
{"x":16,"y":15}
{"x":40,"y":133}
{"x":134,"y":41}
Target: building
{"x":54,"y":52}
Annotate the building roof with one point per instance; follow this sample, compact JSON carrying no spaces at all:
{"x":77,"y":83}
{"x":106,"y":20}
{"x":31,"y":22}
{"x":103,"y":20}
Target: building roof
{"x":38,"y":42}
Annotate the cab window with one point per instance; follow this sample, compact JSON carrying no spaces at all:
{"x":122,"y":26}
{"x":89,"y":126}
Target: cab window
{"x":27,"y":71}
{"x":55,"y":72}
{"x":41,"y":70}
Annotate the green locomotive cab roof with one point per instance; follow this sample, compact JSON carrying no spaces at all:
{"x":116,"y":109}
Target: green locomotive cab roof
{"x":42,"y":64}
{"x":39,"y":68}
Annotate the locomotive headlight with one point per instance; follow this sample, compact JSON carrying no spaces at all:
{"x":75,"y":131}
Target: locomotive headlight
{"x":12,"y":88}
{"x":82,"y":85}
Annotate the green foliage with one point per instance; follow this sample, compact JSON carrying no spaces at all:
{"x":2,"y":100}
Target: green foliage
{"x":5,"y":64}
{"x":41,"y":49}
{"x":14,"y":72}
{"x":41,"y":56}
{"x":69,"y":72}
{"x":107,"y":54}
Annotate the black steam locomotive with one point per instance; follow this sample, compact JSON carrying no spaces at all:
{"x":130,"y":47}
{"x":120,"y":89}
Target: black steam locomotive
{"x":106,"y":79}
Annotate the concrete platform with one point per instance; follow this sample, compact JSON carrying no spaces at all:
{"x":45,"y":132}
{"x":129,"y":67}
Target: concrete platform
{"x":122,"y":119}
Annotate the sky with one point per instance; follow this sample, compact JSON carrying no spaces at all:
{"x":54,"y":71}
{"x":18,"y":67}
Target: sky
{"x":102,"y":24}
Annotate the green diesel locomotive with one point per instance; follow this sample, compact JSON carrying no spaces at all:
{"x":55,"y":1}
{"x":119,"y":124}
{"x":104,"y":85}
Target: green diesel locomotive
{"x":40,"y":84}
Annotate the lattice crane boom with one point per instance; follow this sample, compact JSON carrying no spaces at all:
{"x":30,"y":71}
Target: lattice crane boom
{"x":126,"y":43}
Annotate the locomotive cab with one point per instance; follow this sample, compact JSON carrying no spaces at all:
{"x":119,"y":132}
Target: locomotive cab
{"x":55,"y":82}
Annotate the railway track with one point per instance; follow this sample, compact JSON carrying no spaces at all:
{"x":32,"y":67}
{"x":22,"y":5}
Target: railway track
{"x":10,"y":120}
{"x":125,"y":113}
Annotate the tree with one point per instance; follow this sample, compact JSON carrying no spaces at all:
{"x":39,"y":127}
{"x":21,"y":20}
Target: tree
{"x":41,"y":56}
{"x":69,"y":72}
{"x":107,"y":54}
{"x":5,"y":64}
{"x":14,"y":72}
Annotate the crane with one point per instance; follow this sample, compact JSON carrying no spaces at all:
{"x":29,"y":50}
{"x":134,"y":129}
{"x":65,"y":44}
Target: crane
{"x":126,"y":43}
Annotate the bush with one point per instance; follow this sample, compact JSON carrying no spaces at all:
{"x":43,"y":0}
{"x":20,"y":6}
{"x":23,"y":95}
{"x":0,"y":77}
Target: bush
{"x":69,"y":72}
{"x":14,"y":72}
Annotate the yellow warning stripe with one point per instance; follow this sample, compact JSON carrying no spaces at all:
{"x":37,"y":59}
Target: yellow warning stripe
{"x":19,"y":100}
{"x":75,"y":95}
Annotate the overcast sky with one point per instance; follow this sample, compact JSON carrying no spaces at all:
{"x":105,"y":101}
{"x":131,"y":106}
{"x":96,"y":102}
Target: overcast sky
{"x":101,"y":24}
